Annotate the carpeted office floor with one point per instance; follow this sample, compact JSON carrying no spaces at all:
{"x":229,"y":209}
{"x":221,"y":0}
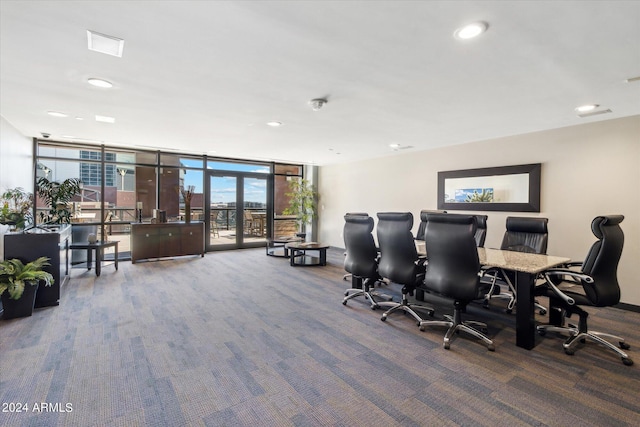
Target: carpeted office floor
{"x":241,"y":339}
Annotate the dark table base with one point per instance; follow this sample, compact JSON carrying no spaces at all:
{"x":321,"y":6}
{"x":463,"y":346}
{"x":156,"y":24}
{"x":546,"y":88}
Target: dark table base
{"x":98,"y":247}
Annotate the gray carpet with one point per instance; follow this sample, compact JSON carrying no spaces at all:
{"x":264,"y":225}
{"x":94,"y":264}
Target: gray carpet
{"x":241,"y":339}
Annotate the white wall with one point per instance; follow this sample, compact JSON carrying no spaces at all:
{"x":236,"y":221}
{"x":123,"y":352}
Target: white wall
{"x":15,"y":164}
{"x":587,"y":170}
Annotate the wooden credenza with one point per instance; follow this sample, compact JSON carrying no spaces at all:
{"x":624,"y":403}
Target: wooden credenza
{"x":168,"y":239}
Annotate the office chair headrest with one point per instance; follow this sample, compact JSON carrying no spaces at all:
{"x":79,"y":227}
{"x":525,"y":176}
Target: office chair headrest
{"x":527,"y":225}
{"x":397,"y":216}
{"x":356,"y":214}
{"x":424,"y":213}
{"x":600,"y":221}
{"x":360,"y":219}
{"x":451,"y":218}
{"x":481,"y":220}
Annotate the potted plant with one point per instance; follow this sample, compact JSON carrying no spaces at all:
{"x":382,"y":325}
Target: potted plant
{"x":302,"y":203}
{"x":18,"y":285}
{"x":16,"y":208}
{"x":57,"y":196}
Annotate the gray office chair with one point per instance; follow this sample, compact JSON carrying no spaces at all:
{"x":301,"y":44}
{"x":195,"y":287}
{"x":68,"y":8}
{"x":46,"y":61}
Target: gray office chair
{"x":595,"y":284}
{"x":361,"y":259}
{"x":523,"y":234}
{"x":453,"y":272}
{"x":399,"y":261}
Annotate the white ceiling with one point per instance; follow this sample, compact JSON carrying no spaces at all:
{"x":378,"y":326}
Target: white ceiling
{"x":205,"y":76}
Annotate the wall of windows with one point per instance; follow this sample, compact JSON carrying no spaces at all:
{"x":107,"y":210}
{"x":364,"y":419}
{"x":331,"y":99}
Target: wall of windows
{"x":120,"y":186}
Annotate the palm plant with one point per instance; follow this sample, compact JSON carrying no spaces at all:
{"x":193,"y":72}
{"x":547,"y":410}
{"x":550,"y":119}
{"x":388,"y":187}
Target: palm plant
{"x":302,"y":201}
{"x":57,"y":196}
{"x":16,"y":207}
{"x":14,"y":275}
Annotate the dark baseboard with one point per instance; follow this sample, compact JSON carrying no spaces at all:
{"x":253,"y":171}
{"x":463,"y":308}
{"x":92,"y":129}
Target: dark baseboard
{"x":628,"y":307}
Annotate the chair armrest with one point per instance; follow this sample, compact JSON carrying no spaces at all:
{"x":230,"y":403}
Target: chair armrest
{"x":565,"y":272}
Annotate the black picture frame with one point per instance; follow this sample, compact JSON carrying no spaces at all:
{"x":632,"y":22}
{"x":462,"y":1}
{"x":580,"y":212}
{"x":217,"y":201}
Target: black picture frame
{"x":533,"y":205}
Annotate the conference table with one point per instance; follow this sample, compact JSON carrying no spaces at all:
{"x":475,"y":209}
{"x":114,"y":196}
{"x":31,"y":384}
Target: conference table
{"x":526,"y":267}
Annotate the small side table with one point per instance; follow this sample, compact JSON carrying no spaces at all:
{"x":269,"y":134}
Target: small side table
{"x":277,"y":246}
{"x":299,"y":255}
{"x":98,"y":247}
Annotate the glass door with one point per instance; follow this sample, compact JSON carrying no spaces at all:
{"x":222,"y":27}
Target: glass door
{"x":237,"y":210}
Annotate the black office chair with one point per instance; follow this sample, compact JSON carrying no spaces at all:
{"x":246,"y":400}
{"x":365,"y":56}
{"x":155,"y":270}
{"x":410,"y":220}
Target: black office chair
{"x":453,"y":271}
{"x":423,"y":223}
{"x":349,"y":275}
{"x":596,"y":285}
{"x":481,"y":231}
{"x":523,"y":234}
{"x":361,"y":259}
{"x":399,"y":261}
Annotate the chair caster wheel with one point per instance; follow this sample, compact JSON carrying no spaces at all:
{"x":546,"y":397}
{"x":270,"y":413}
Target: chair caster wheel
{"x":383,"y":318}
{"x":346,"y":294}
{"x":344,"y":302}
{"x":491,"y":347}
{"x":422,"y":328}
{"x":627,"y":361}
{"x":485,"y":304}
{"x":624,"y":345}
{"x":446,"y":345}
{"x":542,"y":312}
{"x":542,"y":332}
{"x":508,"y":310}
{"x":569,"y":351}
{"x":373,"y":307}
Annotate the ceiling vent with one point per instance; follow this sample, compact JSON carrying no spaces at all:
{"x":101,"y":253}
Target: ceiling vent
{"x":105,"y":44}
{"x":594,"y":113}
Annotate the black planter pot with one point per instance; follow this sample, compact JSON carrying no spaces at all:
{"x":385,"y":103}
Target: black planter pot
{"x":22,"y":307}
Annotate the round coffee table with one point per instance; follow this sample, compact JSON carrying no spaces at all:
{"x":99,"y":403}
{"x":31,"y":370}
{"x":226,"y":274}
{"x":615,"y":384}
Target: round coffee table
{"x":299,"y":256}
{"x":277,"y":245}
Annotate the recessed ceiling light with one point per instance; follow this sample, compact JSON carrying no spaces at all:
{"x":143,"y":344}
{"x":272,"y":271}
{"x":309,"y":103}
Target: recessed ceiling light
{"x":394,"y":146}
{"x":56,"y":114}
{"x":586,"y":107}
{"x":79,"y":118}
{"x":100,"y":83}
{"x":471,"y":30}
{"x":105,"y":119}
{"x":274,"y":124}
{"x":105,"y":44}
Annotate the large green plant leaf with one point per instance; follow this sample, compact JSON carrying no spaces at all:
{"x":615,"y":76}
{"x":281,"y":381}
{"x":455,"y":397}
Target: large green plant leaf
{"x":14,"y":275}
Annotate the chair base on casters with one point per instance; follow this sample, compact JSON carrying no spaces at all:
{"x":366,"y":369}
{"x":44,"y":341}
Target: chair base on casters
{"x":455,"y":324}
{"x":366,"y":291}
{"x":495,"y":292}
{"x":406,"y":307}
{"x":576,"y":337}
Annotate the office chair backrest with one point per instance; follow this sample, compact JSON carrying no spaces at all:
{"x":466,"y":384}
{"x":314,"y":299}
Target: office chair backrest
{"x":398,"y":253}
{"x":526,"y":235}
{"x":453,"y":256}
{"x":602,"y":261}
{"x":361,"y":251}
{"x":481,"y":231}
{"x":423,"y":222}
{"x":356,"y":214}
